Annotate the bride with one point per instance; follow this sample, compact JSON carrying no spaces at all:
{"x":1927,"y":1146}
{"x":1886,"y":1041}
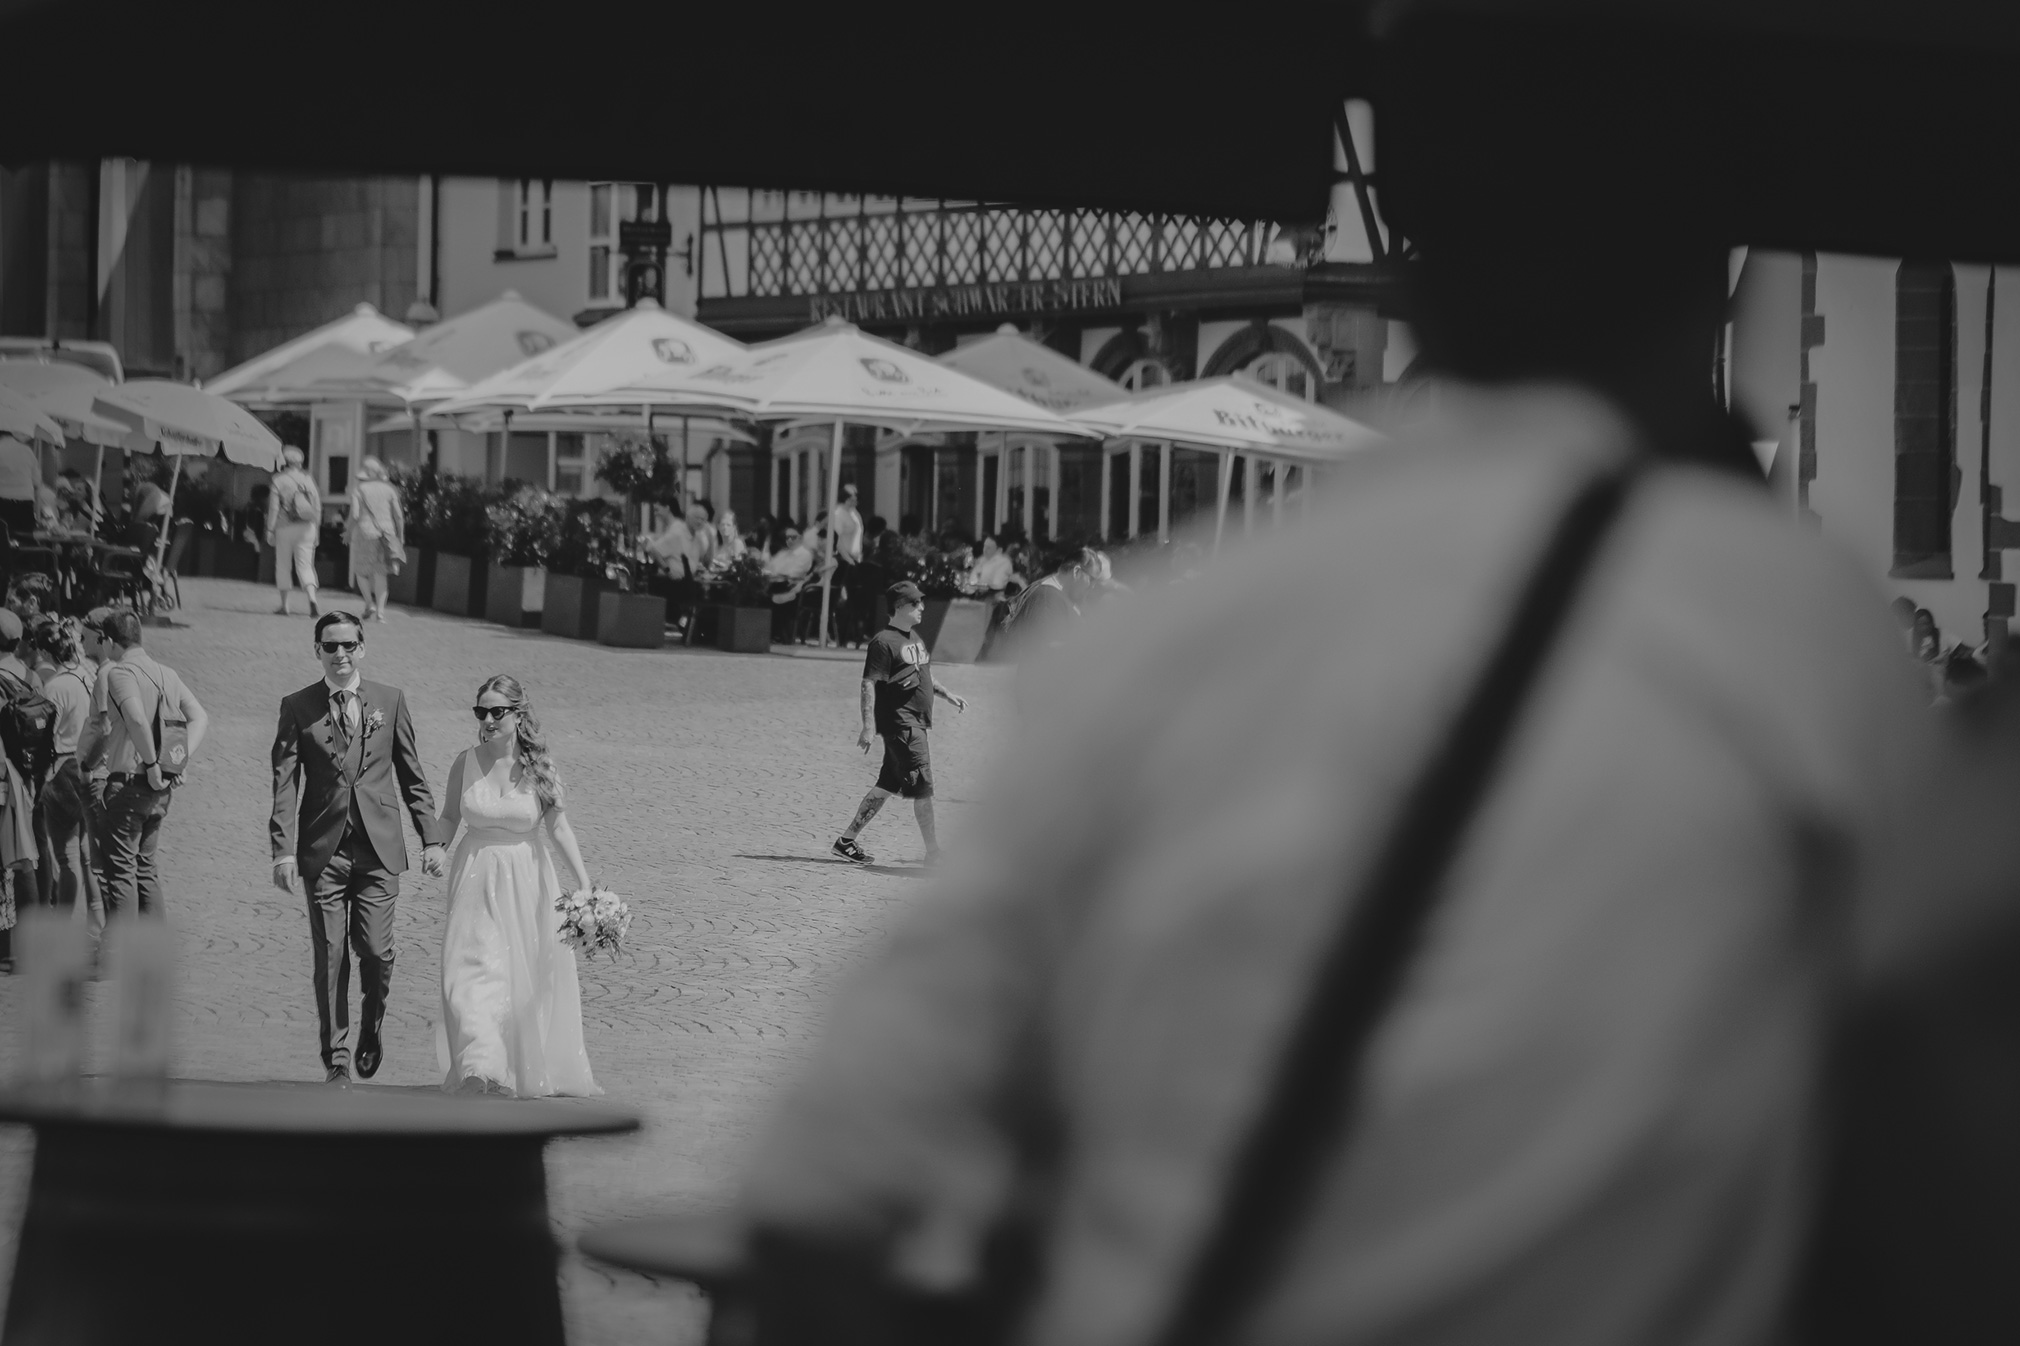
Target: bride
{"x":511,"y":1008}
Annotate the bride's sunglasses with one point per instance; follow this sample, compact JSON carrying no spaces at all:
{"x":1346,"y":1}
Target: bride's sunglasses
{"x":484,"y":713}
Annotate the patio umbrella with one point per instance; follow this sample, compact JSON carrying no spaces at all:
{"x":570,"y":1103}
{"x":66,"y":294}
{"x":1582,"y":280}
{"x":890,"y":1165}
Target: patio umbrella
{"x":64,"y":392}
{"x":275,"y":377}
{"x":1236,"y":415}
{"x":1012,"y":361}
{"x":838,"y":372}
{"x":24,"y":420}
{"x":184,"y":420}
{"x":449,"y":357}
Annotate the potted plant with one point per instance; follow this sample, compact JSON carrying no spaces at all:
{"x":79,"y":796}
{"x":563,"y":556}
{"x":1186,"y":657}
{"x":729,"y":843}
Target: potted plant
{"x":954,"y":625}
{"x":457,"y":528}
{"x":521,"y":534}
{"x":415,"y":584}
{"x":590,"y":538}
{"x":744,"y":624}
{"x":333,"y":556}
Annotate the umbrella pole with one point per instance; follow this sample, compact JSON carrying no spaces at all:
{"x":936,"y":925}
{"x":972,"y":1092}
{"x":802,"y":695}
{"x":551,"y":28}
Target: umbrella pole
{"x":97,"y":478}
{"x":833,"y":492}
{"x":1220,"y":511}
{"x":161,"y":543}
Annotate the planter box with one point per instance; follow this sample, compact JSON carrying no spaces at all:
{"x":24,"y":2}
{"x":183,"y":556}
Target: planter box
{"x":330,"y":572}
{"x":743,"y":630}
{"x":570,"y":607}
{"x":414,"y":586}
{"x":237,"y":559}
{"x":459,"y":588}
{"x":630,"y":621}
{"x":954,"y":628}
{"x":514,"y":595}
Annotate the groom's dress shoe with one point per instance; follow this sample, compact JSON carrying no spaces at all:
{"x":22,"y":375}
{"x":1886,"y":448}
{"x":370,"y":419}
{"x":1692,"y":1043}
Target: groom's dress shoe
{"x":337,"y":1075}
{"x":369,"y":1054}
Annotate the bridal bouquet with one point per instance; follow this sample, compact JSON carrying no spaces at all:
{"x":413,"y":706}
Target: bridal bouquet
{"x":592,"y":920}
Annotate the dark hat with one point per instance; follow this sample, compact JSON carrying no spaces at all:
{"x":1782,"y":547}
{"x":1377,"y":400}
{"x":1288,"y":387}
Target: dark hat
{"x":904,"y":591}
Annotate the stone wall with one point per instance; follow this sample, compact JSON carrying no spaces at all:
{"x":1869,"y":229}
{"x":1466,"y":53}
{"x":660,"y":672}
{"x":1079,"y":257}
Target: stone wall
{"x":306,"y":250}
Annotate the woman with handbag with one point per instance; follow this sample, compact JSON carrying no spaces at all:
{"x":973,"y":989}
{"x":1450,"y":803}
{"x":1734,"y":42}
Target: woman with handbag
{"x":378,"y":529}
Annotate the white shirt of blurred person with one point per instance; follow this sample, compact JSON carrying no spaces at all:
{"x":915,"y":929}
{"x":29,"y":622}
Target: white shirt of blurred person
{"x":849,"y":528}
{"x":669,"y":540}
{"x":137,"y":794}
{"x":20,"y":474}
{"x":992,"y":569}
{"x":63,"y":809}
{"x":1590,"y":1111}
{"x":294,"y":518}
{"x":700,"y":538}
{"x":728,"y":541}
{"x":794,"y":561}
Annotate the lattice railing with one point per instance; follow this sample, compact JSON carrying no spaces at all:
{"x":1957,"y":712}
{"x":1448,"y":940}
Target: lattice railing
{"x":978,"y":244}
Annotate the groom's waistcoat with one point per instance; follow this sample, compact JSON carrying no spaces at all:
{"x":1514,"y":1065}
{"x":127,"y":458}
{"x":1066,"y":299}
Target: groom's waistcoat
{"x":328,"y":780}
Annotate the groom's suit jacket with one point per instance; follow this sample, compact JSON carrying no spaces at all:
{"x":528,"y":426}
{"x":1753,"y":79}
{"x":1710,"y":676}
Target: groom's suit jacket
{"x":325,"y":778}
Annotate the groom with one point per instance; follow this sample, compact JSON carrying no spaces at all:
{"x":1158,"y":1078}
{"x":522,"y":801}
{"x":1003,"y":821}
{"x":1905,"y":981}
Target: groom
{"x":350,"y":737}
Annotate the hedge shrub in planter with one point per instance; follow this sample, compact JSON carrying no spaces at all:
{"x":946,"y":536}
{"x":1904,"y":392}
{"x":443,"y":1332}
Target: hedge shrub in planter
{"x":631,"y":621}
{"x":522,"y":534}
{"x":955,"y":629}
{"x":415,"y":584}
{"x":571,"y":606}
{"x":744,"y":624}
{"x":591,"y":542}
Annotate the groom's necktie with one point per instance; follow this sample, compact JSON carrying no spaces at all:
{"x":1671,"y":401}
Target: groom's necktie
{"x":340,"y":703}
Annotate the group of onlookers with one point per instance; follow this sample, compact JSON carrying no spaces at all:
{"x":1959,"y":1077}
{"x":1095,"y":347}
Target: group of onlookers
{"x":94,"y":733}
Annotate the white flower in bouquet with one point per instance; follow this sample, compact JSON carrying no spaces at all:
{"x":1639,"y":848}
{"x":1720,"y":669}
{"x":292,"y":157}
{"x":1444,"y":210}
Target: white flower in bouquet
{"x":596,"y":918}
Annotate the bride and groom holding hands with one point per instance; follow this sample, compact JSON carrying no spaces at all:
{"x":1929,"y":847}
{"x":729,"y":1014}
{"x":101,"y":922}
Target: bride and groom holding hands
{"x":345,"y":762}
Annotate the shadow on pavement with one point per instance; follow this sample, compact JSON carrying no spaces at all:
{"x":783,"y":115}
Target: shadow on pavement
{"x":908,"y":872}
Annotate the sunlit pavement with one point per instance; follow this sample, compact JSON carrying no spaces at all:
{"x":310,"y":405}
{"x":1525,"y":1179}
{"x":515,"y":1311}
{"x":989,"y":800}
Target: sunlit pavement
{"x":705,"y":787}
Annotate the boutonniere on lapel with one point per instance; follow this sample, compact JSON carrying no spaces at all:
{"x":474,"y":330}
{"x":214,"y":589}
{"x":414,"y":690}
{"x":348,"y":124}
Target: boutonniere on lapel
{"x":376,"y":720}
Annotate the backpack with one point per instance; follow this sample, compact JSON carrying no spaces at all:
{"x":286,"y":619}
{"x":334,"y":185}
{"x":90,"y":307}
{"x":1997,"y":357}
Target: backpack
{"x":27,"y":728}
{"x":295,"y":506}
{"x":171,"y":733}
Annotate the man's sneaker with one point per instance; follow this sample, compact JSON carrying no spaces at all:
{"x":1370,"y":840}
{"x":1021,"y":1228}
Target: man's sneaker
{"x":847,"y":848}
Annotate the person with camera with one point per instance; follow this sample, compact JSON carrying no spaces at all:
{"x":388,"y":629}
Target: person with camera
{"x":153,"y":727}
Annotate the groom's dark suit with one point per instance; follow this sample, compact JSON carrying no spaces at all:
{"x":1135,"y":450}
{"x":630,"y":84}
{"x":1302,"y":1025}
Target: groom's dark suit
{"x":348,"y":843}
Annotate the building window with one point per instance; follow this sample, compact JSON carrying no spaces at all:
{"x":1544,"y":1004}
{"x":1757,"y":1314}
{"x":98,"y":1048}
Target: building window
{"x":1282,"y":370}
{"x":612,"y":204}
{"x":1925,"y":418}
{"x":525,"y":218}
{"x":569,"y":459}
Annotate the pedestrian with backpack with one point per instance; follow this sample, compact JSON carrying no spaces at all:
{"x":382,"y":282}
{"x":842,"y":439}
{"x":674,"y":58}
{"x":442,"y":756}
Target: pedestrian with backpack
{"x":155,"y":726}
{"x":294,"y":518}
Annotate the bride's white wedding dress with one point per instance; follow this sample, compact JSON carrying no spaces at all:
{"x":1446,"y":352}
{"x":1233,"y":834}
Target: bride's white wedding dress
{"x":511,"y":1006}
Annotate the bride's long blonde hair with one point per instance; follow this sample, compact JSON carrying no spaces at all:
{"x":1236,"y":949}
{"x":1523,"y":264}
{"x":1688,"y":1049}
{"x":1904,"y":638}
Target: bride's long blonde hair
{"x":533,"y":755}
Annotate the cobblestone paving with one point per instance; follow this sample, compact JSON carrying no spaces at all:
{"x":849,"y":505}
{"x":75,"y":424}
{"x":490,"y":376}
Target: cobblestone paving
{"x":704,"y":786}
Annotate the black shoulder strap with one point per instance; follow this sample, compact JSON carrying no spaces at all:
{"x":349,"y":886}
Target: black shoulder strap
{"x":1306,"y":1116}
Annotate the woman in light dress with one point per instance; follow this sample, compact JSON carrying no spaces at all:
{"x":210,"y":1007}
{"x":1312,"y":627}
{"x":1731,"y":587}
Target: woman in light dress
{"x":511,"y":1006}
{"x":378,"y":528}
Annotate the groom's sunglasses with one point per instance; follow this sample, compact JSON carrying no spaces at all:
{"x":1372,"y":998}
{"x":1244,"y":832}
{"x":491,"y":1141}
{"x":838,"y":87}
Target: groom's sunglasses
{"x":491,"y":712}
{"x":340,"y":646}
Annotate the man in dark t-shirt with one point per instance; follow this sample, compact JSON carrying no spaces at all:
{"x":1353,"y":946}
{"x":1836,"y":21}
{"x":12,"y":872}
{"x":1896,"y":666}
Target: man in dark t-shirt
{"x":898,"y":692}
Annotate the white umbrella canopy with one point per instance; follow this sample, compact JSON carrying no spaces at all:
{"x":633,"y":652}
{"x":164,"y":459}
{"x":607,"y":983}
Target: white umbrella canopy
{"x":186,"y":420}
{"x":600,"y":366}
{"x":839,"y":372}
{"x":449,"y":357}
{"x":281,"y":375}
{"x":1235,"y":413}
{"x":24,"y":420}
{"x":1009,"y":360}
{"x":64,"y":392}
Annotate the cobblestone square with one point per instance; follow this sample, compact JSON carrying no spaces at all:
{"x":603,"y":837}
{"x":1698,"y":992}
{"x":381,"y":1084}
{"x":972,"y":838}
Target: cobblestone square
{"x":705,"y":787}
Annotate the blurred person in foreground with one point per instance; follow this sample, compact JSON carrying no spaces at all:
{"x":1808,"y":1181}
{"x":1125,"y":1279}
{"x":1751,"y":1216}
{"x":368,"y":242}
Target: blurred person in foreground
{"x":1593,"y":1115}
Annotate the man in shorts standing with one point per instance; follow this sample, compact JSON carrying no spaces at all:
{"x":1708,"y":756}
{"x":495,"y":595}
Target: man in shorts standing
{"x":898,"y":692}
